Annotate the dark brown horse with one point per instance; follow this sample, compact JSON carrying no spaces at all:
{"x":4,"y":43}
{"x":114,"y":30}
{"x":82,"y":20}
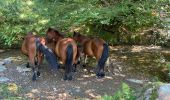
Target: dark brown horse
{"x":35,"y":57}
{"x":64,"y":48}
{"x":94,"y":47}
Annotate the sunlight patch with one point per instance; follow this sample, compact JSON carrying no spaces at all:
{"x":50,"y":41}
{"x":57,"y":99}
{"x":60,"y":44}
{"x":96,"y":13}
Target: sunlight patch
{"x":44,"y":21}
{"x":29,"y":3}
{"x":35,"y":91}
{"x":12,"y":87}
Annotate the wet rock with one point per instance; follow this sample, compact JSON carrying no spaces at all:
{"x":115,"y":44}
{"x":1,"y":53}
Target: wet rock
{"x":3,"y":79}
{"x":164,"y":92}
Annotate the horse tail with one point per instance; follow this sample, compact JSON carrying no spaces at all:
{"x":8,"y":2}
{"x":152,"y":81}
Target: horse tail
{"x":49,"y":55}
{"x":69,"y":58}
{"x":105,"y":55}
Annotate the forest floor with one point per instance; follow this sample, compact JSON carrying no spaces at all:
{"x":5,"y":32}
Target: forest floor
{"x":134,"y":65}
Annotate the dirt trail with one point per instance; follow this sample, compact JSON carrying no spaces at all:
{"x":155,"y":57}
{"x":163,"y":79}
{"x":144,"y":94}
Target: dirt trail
{"x":84,"y":84}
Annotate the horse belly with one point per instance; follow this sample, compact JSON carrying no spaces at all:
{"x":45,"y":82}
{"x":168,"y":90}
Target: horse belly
{"x":75,"y":59}
{"x":57,"y":50}
{"x":23,"y":48}
{"x":88,"y":51}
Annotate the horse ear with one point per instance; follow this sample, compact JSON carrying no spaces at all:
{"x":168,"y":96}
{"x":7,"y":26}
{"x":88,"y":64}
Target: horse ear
{"x":23,"y":38}
{"x":74,"y":34}
{"x":49,"y":29}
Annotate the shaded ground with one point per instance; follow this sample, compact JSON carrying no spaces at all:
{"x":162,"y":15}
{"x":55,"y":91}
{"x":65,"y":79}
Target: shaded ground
{"x":127,"y":62}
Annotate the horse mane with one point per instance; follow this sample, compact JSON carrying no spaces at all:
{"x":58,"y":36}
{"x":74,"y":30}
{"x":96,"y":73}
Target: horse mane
{"x":80,"y":35}
{"x":30,"y":33}
{"x":56,"y":31}
{"x":77,"y":34}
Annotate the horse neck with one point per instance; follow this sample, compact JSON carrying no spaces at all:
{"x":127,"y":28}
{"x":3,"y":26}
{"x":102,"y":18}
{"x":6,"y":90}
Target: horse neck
{"x":83,"y":39}
{"x":51,"y":45}
{"x":58,"y":38}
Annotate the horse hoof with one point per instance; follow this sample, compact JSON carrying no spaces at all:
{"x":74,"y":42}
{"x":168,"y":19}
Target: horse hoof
{"x":38,"y":74}
{"x":36,"y":63}
{"x":74,"y":69}
{"x":65,"y":77}
{"x":27,"y":65}
{"x":100,"y":75}
{"x":69,"y":78}
{"x":78,"y":62}
{"x":59,"y":66}
{"x":84,"y":65}
{"x":34,"y":77}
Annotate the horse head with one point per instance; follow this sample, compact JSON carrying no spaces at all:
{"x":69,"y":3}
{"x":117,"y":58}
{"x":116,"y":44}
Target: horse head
{"x":76,"y":36}
{"x":52,"y":35}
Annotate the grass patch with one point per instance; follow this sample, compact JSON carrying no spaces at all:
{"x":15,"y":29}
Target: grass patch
{"x":10,"y":91}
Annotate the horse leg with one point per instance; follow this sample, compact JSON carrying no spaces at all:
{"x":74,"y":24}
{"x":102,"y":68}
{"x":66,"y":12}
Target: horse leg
{"x":77,"y":61}
{"x":32,"y":62}
{"x":33,"y":68}
{"x":99,"y":69}
{"x":102,"y":60}
{"x":27,"y":65}
{"x":40,"y":59}
{"x":85,"y":61}
{"x":74,"y":67}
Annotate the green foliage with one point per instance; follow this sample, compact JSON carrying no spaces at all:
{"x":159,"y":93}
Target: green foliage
{"x":94,"y":17}
{"x":150,"y":91}
{"x":125,"y":93}
{"x":10,"y":92}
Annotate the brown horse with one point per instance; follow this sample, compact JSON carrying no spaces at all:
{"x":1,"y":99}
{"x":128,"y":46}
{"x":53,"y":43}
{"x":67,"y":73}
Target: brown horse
{"x":64,"y":48}
{"x":35,"y":57}
{"x":94,"y":47}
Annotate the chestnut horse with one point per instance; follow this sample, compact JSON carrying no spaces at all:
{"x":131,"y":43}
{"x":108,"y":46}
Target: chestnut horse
{"x":35,"y":57}
{"x":94,"y":47}
{"x":64,"y":48}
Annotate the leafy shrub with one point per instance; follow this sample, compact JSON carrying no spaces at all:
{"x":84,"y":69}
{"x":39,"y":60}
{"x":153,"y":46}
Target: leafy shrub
{"x":124,"y":93}
{"x":92,"y":17}
{"x":10,"y":92}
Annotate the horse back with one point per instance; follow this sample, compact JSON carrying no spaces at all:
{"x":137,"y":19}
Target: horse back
{"x":28,"y":45}
{"x":97,"y":47}
{"x":61,"y":48}
{"x":93,"y":46}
